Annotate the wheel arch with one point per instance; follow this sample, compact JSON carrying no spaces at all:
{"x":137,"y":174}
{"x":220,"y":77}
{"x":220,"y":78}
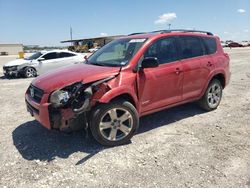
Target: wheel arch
{"x":221,"y":78}
{"x":218,"y":75}
{"x":125,"y":96}
{"x":123,"y":93}
{"x":24,"y":67}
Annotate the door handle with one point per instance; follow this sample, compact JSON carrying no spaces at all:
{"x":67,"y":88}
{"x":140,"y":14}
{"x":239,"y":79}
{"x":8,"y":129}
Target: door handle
{"x":177,"y":71}
{"x":209,"y":64}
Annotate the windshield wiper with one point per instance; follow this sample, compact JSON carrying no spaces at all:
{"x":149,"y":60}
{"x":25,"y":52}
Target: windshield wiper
{"x":104,"y":64}
{"x":113,"y":65}
{"x":98,"y":64}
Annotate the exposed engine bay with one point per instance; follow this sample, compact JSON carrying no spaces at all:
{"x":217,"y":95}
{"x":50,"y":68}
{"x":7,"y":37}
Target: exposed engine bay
{"x":70,"y":105}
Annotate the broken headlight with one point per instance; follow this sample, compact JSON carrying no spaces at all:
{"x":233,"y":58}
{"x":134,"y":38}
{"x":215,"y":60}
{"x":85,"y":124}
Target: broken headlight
{"x":59,"y":98}
{"x":11,"y":68}
{"x":66,"y":95}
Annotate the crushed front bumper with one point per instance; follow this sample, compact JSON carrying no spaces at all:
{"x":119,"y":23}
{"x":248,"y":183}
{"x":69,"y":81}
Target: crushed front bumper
{"x":51,"y":118}
{"x":39,"y":111}
{"x":10,"y":71}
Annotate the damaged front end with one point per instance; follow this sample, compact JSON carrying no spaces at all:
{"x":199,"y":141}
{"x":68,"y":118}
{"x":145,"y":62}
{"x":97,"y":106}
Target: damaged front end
{"x":69,"y":107}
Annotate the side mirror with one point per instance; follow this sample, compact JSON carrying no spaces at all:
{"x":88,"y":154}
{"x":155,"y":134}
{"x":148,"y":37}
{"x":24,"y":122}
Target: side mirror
{"x":149,"y":62}
{"x":40,"y":59}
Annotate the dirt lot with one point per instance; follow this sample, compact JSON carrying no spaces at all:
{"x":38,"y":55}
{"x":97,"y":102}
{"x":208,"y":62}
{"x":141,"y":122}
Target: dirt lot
{"x":179,"y":147}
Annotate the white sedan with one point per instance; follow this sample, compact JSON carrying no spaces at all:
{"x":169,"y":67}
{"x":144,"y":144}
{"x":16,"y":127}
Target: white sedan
{"x":41,"y":62}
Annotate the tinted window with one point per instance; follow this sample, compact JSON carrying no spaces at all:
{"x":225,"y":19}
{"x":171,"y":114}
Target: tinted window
{"x":49,"y":56}
{"x":191,"y":47}
{"x":164,"y":49}
{"x":65,"y":54}
{"x":211,"y":46}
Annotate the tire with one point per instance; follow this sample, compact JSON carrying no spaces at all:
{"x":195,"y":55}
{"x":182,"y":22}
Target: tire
{"x":114,"y":123}
{"x":30,"y":72}
{"x":212,"y":97}
{"x":7,"y":76}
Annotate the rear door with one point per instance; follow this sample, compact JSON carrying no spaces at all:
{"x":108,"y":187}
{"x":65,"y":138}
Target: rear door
{"x":67,"y":58}
{"x":196,"y":65}
{"x":162,"y":85}
{"x":211,"y":49}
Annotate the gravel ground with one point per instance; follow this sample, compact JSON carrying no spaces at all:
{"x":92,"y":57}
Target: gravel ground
{"x":179,"y":147}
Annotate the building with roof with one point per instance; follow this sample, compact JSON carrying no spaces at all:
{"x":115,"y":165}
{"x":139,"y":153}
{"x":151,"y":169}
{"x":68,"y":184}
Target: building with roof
{"x":10,"y":49}
{"x":83,"y":45}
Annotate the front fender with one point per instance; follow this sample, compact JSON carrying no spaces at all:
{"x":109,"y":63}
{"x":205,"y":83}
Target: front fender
{"x":21,"y":67}
{"x":115,"y":92}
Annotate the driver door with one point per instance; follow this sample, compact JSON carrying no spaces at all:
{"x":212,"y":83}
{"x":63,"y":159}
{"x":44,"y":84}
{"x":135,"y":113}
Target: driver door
{"x":161,"y":86}
{"x":51,"y":61}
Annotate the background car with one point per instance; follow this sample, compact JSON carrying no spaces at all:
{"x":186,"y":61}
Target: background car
{"x":92,"y":50}
{"x":41,"y":62}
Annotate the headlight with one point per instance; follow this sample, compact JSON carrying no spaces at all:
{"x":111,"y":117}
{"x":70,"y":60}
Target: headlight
{"x":12,"y":68}
{"x":66,"y":95}
{"x":59,"y":98}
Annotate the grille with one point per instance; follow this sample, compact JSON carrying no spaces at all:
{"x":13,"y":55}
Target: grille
{"x":35,"y":93}
{"x":31,"y":109}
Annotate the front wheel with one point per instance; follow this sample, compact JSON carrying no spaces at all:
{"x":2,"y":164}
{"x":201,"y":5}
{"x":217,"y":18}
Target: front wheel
{"x":212,"y":97}
{"x":114,"y":123}
{"x":29,"y":72}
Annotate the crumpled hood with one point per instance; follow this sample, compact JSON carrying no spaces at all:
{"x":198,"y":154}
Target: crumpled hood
{"x":62,"y":77}
{"x":16,"y":62}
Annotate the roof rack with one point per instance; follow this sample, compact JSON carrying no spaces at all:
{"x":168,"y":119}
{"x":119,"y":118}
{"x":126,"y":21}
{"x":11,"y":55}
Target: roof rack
{"x":137,"y":33}
{"x":186,"y":31}
{"x":174,"y":30}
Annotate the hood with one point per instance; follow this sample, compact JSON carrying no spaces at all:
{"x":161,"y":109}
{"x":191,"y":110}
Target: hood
{"x":16,"y":62}
{"x":62,"y":77}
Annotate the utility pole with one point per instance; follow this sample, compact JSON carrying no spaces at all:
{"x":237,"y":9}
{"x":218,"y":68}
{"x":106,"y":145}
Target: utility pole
{"x":169,"y":25}
{"x":71,"y":35}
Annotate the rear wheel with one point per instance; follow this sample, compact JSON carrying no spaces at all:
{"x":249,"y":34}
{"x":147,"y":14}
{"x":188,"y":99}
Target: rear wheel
{"x":114,"y":123}
{"x":212,"y":97}
{"x":29,"y":72}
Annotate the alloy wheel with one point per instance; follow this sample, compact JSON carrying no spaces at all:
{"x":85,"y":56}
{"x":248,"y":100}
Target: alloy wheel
{"x":116,"y":124}
{"x":214,"y":95}
{"x":30,"y":72}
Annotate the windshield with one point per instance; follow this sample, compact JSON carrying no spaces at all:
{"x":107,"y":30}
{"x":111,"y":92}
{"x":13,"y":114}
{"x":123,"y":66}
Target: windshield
{"x":34,"y":56}
{"x":116,"y":53}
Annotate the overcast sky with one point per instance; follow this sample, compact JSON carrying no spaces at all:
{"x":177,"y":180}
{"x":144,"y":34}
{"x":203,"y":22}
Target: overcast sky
{"x":47,"y":22}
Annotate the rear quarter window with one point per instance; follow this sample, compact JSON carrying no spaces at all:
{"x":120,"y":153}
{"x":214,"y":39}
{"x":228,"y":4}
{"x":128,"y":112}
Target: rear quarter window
{"x":210,"y":43}
{"x":52,"y":55}
{"x":65,"y":54}
{"x":191,"y":47}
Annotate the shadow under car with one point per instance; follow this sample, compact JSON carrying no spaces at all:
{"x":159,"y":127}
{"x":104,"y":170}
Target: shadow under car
{"x":35,"y":142}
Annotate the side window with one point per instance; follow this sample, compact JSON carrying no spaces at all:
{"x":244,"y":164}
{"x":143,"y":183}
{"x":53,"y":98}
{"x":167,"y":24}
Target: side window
{"x":65,"y":54}
{"x":211,"y":45}
{"x":164,"y":49}
{"x":191,"y":47}
{"x":52,"y":55}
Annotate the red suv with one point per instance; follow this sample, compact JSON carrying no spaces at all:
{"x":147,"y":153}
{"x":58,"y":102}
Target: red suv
{"x":128,"y":78}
